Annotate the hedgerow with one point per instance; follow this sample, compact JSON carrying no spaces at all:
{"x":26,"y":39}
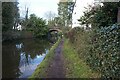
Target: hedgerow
{"x":100,"y":48}
{"x":107,"y":50}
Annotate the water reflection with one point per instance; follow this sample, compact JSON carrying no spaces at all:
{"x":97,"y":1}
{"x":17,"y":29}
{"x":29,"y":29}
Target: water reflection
{"x":28,"y":65}
{"x":19,"y":46}
{"x":20,"y":58}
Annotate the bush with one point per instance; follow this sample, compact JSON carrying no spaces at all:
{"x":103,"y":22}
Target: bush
{"x":107,"y":50}
{"x":100,"y":48}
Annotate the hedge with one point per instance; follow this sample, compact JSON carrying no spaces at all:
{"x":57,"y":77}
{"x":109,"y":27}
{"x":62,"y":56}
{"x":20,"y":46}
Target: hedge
{"x":100,"y":48}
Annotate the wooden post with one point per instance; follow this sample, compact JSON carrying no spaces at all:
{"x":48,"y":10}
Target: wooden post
{"x":118,"y":17}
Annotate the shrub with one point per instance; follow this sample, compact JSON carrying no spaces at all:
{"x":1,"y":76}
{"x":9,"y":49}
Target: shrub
{"x":108,"y":50}
{"x":100,"y":48}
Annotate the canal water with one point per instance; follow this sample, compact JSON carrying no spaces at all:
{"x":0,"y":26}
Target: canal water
{"x":20,"y":58}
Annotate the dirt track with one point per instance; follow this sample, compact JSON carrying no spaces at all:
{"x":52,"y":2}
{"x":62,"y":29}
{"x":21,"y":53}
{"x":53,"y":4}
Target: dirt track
{"x":56,"y":68}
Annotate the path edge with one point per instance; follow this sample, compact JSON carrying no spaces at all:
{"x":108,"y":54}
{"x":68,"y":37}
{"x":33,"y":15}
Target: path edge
{"x":41,"y":70}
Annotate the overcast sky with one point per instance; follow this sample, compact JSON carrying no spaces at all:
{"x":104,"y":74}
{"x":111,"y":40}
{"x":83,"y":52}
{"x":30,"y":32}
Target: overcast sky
{"x":40,"y":7}
{"x":78,"y":10}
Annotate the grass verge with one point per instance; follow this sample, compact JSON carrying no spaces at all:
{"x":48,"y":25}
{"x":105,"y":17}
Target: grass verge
{"x":76,"y":67}
{"x":40,"y":72}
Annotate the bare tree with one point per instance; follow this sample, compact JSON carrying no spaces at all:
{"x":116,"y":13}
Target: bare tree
{"x":50,"y":15}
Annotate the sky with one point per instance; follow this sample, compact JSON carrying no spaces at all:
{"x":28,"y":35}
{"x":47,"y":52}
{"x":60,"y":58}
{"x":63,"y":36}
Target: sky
{"x":41,"y":7}
{"x":79,"y":9}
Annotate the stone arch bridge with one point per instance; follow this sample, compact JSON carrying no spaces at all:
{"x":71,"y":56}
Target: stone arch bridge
{"x":54,"y":32}
{"x":55,"y":29}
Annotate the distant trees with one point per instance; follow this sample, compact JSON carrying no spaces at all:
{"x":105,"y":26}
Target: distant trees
{"x":37,"y":26}
{"x":53,"y":20}
{"x":65,"y":10}
{"x":50,"y":19}
{"x":24,"y":18}
{"x":10,"y":19}
{"x":64,"y":18}
{"x":10,"y":15}
{"x":50,"y":15}
{"x":99,"y":16}
{"x":58,"y":21}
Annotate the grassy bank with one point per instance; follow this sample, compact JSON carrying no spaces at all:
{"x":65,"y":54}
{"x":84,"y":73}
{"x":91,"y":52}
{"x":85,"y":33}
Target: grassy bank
{"x":76,"y":67}
{"x":40,"y":72}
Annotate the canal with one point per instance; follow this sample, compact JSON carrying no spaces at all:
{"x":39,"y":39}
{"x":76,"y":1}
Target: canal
{"x":20,"y":58}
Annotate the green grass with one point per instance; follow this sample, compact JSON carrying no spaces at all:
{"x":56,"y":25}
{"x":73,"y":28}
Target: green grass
{"x":40,"y":72}
{"x":76,"y":67}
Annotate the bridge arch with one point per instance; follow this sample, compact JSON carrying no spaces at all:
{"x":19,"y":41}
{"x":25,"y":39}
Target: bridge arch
{"x":53,"y":29}
{"x":54,"y":33}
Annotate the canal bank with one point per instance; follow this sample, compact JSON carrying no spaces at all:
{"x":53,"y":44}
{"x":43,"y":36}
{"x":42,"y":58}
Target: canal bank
{"x":75,"y":67}
{"x":63,"y":61}
{"x":42,"y":69}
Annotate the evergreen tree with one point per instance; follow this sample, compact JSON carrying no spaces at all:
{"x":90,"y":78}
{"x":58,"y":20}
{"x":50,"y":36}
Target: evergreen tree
{"x":10,"y":15}
{"x":99,"y":16}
